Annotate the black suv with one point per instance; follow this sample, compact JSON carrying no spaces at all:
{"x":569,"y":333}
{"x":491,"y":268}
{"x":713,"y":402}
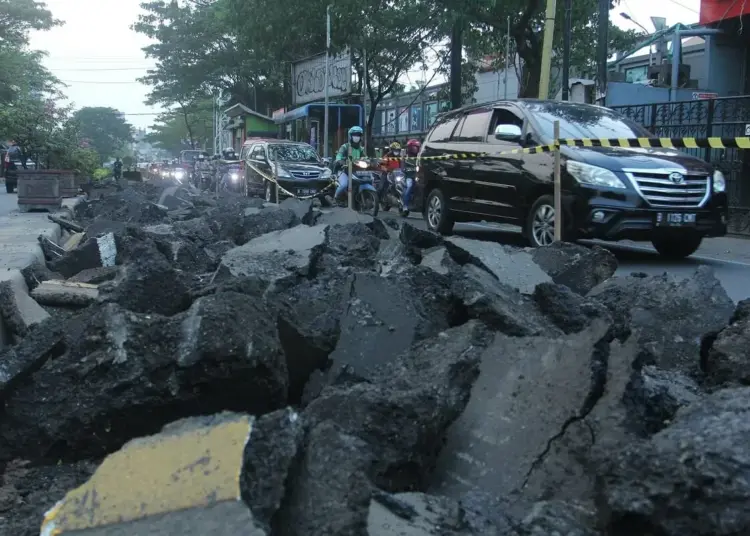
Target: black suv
{"x":297,"y":165}
{"x":658,"y":195}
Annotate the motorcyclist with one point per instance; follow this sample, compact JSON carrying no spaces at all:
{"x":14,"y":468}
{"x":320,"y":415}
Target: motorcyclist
{"x":391,"y":161}
{"x":351,"y":150}
{"x":228,"y":158}
{"x":117,"y":168}
{"x":200,"y":169}
{"x":412,"y":151}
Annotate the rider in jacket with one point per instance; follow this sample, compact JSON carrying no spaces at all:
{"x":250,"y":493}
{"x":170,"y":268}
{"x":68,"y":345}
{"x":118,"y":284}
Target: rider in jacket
{"x":391,"y":161}
{"x":352,"y":150}
{"x":412,"y":151}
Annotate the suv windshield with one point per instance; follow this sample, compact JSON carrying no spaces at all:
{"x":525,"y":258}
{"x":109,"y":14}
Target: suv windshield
{"x":582,"y":121}
{"x":293,"y":153}
{"x":187,"y":157}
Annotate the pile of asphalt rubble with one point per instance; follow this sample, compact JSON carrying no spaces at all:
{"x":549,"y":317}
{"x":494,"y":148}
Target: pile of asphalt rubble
{"x":440,"y":385}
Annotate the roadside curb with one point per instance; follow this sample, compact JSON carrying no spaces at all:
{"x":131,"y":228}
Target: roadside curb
{"x":53,"y":233}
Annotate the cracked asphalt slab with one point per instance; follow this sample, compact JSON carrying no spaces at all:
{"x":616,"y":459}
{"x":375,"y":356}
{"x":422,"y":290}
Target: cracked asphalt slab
{"x":322,"y":373}
{"x":728,"y":257}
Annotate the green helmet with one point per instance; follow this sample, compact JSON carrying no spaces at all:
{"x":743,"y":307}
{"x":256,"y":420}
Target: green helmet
{"x":355,"y":130}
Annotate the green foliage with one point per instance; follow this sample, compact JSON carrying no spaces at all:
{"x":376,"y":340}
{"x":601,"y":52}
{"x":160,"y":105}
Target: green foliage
{"x":101,"y":174}
{"x":486,"y":31}
{"x":32,"y":122}
{"x":188,"y":127}
{"x":105,"y":129}
{"x":22,"y":70}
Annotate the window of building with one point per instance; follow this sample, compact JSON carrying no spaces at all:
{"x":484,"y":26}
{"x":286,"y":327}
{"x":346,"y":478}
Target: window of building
{"x":636,"y":74}
{"x":474,"y":127}
{"x":430,"y":113}
{"x":390,"y":125}
{"x":443,"y":131}
{"x":403,"y":120}
{"x":416,"y":118}
{"x":445,"y":105}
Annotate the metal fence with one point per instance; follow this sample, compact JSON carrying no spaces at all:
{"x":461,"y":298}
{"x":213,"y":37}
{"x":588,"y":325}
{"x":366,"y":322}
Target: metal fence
{"x":724,"y":117}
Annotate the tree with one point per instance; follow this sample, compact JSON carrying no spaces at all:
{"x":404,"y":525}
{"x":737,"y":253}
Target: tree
{"x":22,"y":70}
{"x":31,"y":122}
{"x":105,"y":129}
{"x":199,"y":52}
{"x":487,"y":28}
{"x":184,"y":128}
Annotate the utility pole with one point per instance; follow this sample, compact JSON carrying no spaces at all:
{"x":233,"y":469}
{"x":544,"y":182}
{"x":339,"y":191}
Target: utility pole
{"x":602,"y":50}
{"x":456,"y":56}
{"x":507,"y":59}
{"x":549,"y":33}
{"x":365,"y":94}
{"x":566,"y":50}
{"x":325,"y":82}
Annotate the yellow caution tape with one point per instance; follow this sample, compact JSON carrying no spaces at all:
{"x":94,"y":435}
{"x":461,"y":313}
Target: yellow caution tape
{"x":283,"y":190}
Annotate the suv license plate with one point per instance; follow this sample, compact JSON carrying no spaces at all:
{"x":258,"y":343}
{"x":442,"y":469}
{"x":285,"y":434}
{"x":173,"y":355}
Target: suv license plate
{"x":305,"y":191}
{"x":675,"y":219}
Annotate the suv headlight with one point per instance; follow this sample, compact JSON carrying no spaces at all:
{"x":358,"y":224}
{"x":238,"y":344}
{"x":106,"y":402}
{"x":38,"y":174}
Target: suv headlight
{"x":593,"y":175}
{"x":720,"y":183}
{"x":326,"y":173}
{"x":282,"y":173}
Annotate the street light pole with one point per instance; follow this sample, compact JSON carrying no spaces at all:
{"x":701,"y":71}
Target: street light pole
{"x":631,"y":19}
{"x":325,"y":81}
{"x":507,"y":58}
{"x":566,"y":50}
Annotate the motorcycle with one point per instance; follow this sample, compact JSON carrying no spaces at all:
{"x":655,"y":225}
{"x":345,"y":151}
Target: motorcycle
{"x":179,"y":175}
{"x":398,"y":180}
{"x":364,"y":194}
{"x":230,"y":179}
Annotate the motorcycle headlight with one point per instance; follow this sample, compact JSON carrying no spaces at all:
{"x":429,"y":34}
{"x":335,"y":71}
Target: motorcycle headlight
{"x":399,"y":178}
{"x":361,"y":164}
{"x":593,"y":175}
{"x":720,"y":183}
{"x":234,"y":176}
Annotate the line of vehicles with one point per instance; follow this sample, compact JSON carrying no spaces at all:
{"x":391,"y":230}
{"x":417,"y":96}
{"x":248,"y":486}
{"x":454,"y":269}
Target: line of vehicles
{"x":663,"y":196}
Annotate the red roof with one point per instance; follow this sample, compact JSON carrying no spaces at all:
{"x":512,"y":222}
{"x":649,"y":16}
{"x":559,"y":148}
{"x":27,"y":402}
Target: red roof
{"x":713,"y":11}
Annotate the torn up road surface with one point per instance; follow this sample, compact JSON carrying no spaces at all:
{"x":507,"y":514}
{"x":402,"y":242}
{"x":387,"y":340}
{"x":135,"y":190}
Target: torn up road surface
{"x":227,"y":366}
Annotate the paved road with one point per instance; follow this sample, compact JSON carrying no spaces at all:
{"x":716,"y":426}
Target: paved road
{"x":19,"y":232}
{"x":728,"y":257}
{"x":8,"y":202}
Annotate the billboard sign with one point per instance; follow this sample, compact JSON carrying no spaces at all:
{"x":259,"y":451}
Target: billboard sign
{"x":308,"y":78}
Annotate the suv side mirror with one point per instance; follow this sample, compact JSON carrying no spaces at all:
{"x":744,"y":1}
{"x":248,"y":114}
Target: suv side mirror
{"x":508,"y":133}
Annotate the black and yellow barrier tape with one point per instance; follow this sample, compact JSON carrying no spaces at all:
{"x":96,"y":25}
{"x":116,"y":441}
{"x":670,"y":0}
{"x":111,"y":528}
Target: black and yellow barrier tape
{"x":629,"y":143}
{"x":666,"y":143}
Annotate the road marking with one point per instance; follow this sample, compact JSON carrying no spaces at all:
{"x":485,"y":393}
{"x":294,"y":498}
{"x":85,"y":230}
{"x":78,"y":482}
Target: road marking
{"x":191,"y":466}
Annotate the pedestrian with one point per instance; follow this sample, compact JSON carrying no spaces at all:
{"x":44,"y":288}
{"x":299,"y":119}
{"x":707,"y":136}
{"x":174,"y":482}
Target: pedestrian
{"x":117,"y":168}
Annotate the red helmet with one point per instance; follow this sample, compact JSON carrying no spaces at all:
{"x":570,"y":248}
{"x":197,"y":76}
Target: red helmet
{"x":413,"y":146}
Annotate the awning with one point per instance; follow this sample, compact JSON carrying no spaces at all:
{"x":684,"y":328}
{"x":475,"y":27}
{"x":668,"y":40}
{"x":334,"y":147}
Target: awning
{"x":304,"y":111}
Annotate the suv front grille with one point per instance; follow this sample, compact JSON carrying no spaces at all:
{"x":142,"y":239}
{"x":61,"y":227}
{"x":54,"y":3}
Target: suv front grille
{"x":660,"y":191}
{"x":308,"y":175}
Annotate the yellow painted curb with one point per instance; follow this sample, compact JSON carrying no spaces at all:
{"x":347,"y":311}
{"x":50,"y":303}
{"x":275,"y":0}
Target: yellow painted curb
{"x":194,"y":464}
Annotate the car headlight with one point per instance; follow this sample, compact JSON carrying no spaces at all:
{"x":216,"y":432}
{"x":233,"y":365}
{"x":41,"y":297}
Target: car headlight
{"x":720,"y":183}
{"x":326,"y":173}
{"x":282,"y":173}
{"x":593,"y":175}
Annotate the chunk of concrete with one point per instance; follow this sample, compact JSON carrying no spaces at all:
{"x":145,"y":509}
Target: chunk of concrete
{"x":278,"y":255}
{"x":18,"y":312}
{"x":578,"y":267}
{"x":65,"y":293}
{"x":181,"y":481}
{"x":512,"y":266}
{"x":529,"y":390}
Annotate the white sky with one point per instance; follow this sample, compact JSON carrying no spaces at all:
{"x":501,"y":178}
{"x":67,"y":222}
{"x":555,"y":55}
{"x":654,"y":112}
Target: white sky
{"x":100,"y":57}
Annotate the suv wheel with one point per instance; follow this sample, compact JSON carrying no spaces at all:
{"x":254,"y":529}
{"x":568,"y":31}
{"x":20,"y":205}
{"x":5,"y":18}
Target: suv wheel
{"x":437,"y":214}
{"x":540,"y":222}
{"x":677,"y":246}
